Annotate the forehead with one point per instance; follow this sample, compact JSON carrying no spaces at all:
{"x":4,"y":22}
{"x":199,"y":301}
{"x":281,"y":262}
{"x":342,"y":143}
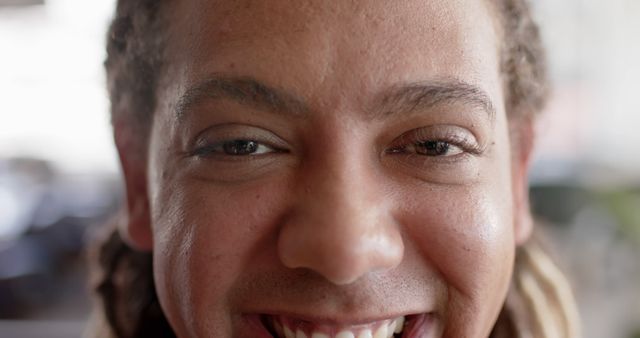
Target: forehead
{"x":315,"y":47}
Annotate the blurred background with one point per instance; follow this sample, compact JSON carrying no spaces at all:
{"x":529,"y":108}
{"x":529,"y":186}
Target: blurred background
{"x":59,"y":177}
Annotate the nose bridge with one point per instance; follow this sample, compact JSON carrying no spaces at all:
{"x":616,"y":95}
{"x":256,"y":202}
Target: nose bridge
{"x":341,"y":226}
{"x":341,"y":179}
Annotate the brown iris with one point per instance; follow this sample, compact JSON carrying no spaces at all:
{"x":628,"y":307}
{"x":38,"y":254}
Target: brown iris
{"x":240,"y":147}
{"x":432,"y":148}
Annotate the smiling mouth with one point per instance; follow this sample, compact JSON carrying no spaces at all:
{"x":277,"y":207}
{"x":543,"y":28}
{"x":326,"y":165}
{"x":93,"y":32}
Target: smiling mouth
{"x":400,"y":327}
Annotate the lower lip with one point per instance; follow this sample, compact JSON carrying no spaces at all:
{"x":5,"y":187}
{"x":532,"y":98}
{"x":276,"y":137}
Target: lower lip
{"x":417,"y":326}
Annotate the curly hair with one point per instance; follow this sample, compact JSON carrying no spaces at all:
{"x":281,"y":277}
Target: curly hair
{"x":135,"y":60}
{"x":539,"y":303}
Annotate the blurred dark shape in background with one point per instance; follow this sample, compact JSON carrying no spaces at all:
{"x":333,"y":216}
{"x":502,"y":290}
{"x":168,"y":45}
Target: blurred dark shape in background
{"x":45,"y":221}
{"x":594,"y":235}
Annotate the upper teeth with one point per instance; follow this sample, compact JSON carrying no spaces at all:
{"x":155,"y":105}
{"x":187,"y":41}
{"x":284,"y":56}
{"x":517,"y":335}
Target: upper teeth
{"x":384,"y":329}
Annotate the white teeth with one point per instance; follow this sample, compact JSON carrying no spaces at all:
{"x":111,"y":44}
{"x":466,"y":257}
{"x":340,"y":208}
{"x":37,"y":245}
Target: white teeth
{"x":385,"y":329}
{"x":288,"y":333}
{"x":365,"y":334}
{"x":381,"y":332}
{"x":345,"y":334}
{"x":392,"y":328}
{"x":399,"y":324}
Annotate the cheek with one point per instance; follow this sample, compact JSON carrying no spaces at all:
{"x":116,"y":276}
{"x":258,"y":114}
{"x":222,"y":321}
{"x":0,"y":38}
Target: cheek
{"x":466,"y":235}
{"x":205,"y":236}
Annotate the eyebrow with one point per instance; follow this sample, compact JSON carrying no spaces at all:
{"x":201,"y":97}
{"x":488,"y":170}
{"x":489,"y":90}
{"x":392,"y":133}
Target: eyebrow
{"x":243,"y":90}
{"x":402,"y":99}
{"x":423,"y":96}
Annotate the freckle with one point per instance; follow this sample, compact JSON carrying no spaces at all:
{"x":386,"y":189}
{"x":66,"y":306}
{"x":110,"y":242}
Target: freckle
{"x":232,"y":65}
{"x":258,"y":196}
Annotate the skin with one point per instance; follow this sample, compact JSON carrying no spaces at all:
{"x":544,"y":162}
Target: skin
{"x":338,"y":220}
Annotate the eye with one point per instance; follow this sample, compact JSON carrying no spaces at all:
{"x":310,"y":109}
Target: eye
{"x":238,"y":147}
{"x":435,"y":148}
{"x":244,"y":147}
{"x":436,"y":142}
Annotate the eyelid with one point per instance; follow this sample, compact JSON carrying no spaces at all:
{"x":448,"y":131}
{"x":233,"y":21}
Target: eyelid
{"x":219,"y":134}
{"x":217,"y":149}
{"x":457,"y":136}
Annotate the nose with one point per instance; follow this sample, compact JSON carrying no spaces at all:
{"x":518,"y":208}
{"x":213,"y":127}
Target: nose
{"x":341,"y":226}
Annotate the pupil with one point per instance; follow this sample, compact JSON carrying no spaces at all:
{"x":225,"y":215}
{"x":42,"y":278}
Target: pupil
{"x":433,"y":148}
{"x":240,"y":147}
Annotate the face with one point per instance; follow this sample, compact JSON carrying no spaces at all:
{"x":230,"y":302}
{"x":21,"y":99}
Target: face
{"x":335,"y":169}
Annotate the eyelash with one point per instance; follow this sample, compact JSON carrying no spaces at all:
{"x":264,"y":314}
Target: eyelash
{"x":219,"y":148}
{"x":421,"y":137}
